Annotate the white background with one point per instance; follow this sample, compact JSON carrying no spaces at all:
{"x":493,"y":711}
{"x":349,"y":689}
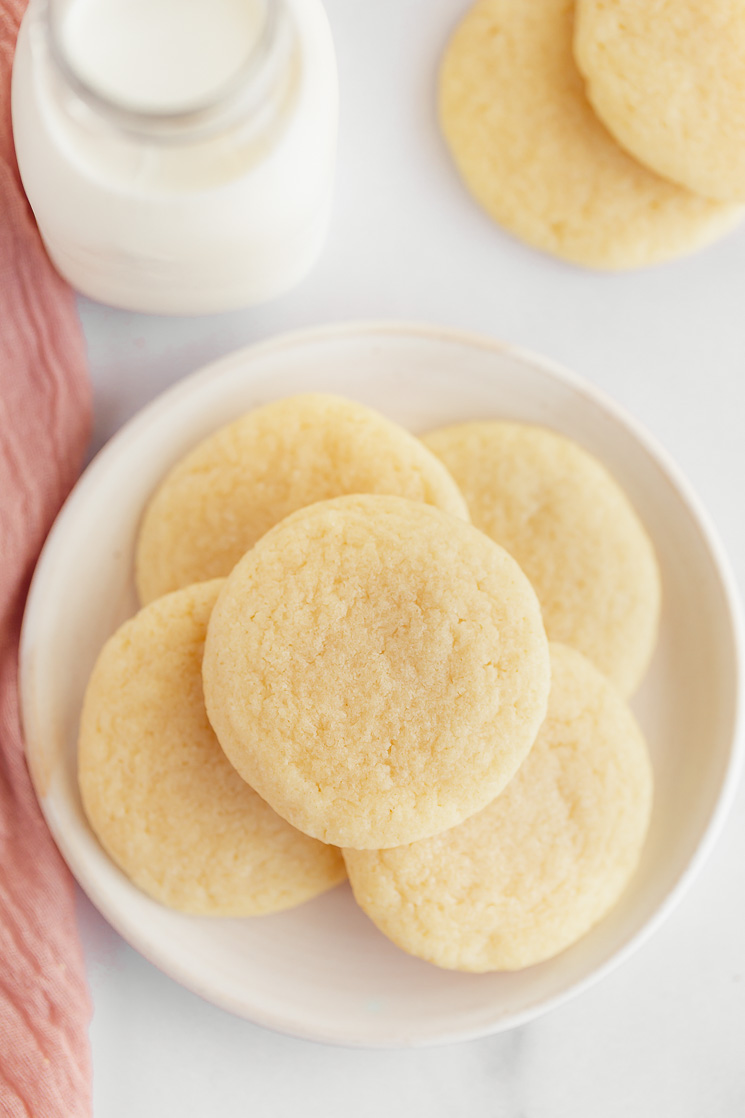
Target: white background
{"x":665,"y":1035}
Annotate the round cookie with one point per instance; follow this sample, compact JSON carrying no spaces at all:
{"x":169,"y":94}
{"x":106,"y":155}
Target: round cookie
{"x":160,"y":794}
{"x":238,"y":483}
{"x":533,"y":153}
{"x":668,"y":80}
{"x":573,"y":531}
{"x":376,"y":669}
{"x":542,"y":864}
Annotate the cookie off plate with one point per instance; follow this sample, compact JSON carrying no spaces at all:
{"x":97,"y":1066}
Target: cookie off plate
{"x":322,"y":970}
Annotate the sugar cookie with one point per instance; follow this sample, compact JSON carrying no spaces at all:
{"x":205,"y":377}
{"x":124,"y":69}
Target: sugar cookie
{"x":542,"y":864}
{"x":158,"y":791}
{"x":533,"y":153}
{"x":571,"y":528}
{"x":376,"y":669}
{"x":241,"y":481}
{"x":668,"y":80}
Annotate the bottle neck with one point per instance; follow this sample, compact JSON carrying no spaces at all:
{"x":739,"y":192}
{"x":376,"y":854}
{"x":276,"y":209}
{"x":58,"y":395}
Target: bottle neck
{"x":150,"y":70}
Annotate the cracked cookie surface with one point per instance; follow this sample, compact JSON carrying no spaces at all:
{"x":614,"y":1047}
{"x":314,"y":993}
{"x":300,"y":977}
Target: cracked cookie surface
{"x":242,"y":480}
{"x":160,"y":794}
{"x":668,"y":80}
{"x":573,"y":531}
{"x":541,"y":865}
{"x":531,"y":150}
{"x":376,"y":669}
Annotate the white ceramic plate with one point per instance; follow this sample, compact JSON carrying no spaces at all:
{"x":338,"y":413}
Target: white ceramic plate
{"x":322,"y":970}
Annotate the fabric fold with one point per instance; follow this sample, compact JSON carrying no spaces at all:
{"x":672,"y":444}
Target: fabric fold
{"x":44,"y":428}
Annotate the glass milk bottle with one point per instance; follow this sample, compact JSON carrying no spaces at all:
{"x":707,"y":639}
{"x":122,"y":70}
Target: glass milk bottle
{"x":178,"y":154}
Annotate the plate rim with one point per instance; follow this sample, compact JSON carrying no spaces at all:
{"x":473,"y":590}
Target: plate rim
{"x":721,"y":565}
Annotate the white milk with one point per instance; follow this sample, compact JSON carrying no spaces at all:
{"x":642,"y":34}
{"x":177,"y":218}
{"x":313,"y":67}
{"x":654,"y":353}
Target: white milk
{"x":159,"y":55}
{"x":178,"y":154}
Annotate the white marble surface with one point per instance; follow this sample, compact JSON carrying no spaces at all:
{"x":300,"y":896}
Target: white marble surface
{"x":665,"y":1035}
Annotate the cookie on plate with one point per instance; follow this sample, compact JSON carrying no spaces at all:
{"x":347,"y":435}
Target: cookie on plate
{"x":668,"y":80}
{"x":573,"y":531}
{"x":160,"y":794}
{"x":541,"y":865}
{"x":531,"y":150}
{"x":376,"y":670}
{"x":241,"y":481}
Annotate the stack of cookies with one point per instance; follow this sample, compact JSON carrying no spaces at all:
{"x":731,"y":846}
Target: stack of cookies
{"x":406,"y":661}
{"x":607,"y":132}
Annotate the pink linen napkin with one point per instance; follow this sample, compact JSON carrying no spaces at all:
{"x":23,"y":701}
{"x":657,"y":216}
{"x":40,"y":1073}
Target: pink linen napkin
{"x":44,"y":426}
